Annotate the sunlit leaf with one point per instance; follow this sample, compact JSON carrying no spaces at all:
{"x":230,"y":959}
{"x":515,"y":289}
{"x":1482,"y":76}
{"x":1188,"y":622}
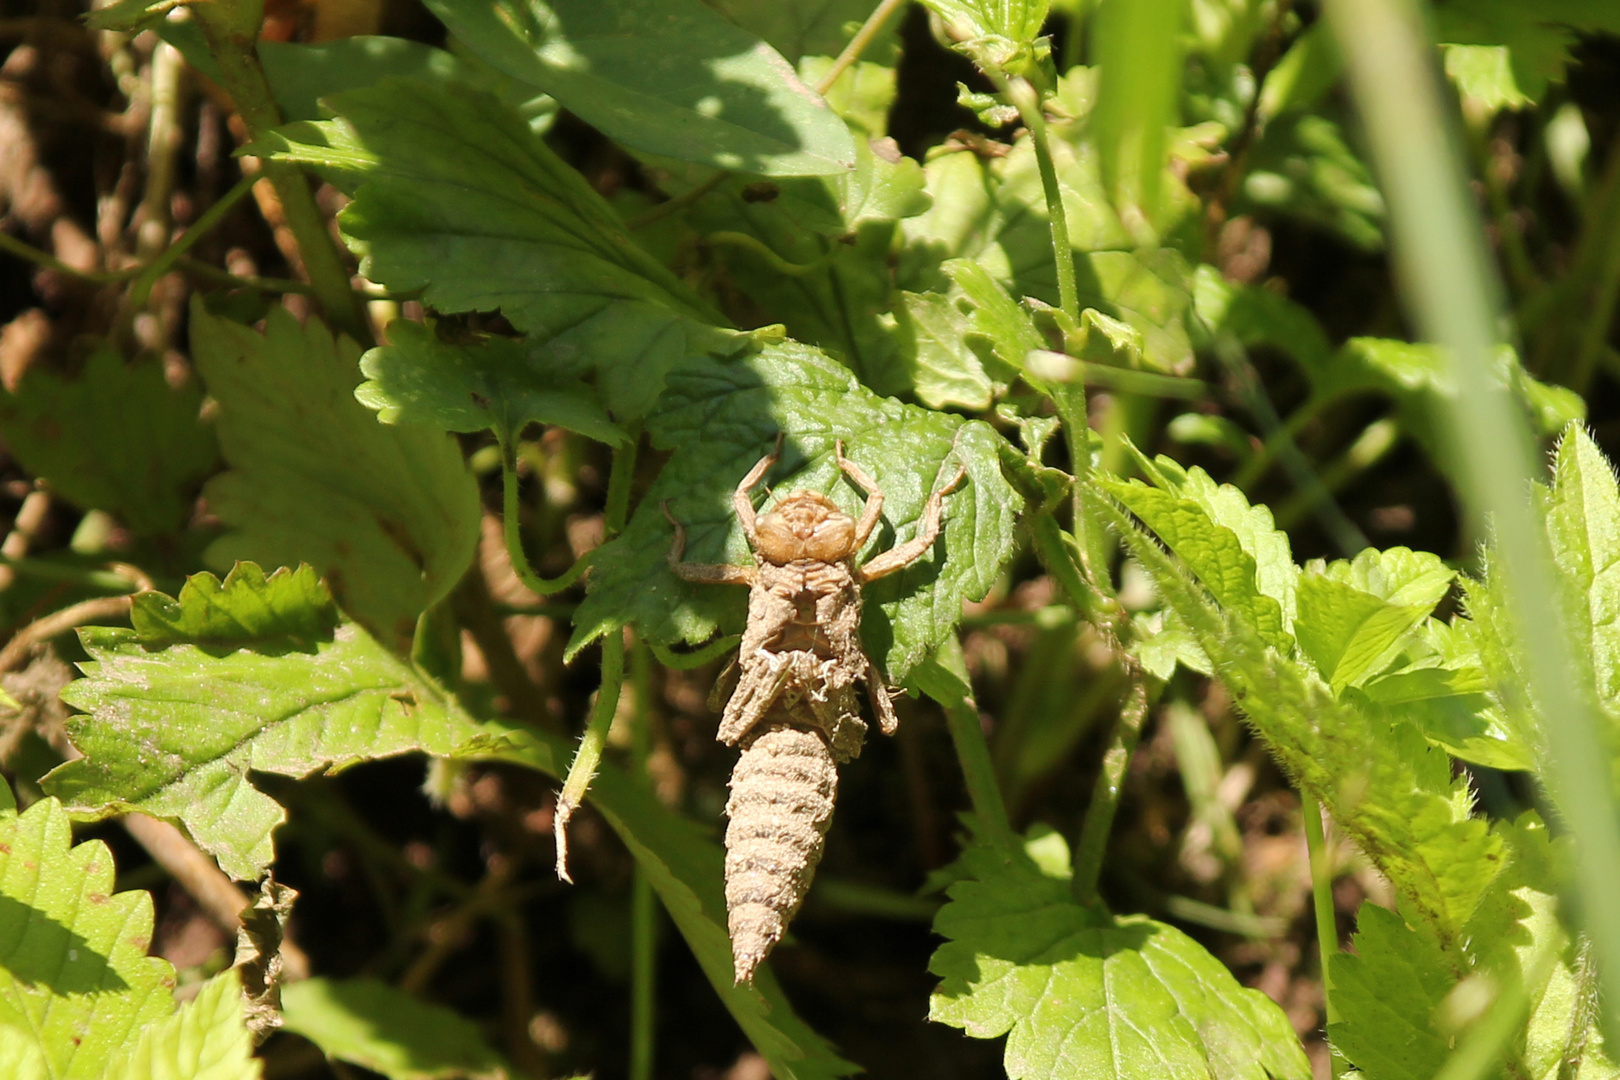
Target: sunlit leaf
{"x":371,"y":1024}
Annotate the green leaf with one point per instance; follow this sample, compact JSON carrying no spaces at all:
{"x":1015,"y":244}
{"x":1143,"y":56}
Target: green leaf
{"x":291,"y":606}
{"x":455,"y":196}
{"x":20,"y":1055}
{"x":1138,"y":47}
{"x":76,"y":984}
{"x":174,"y":728}
{"x":698,"y":89}
{"x":1386,"y":994}
{"x":720,"y":416}
{"x":1583,"y":523}
{"x":933,"y":346}
{"x":389,"y":516}
{"x":1214,"y":551}
{"x":205,"y":1039}
{"x":1526,"y":46}
{"x":1081,"y":993}
{"x":116,"y":438}
{"x":801,"y":28}
{"x":1355,"y":616}
{"x":996,"y":34}
{"x":1260,"y":317}
{"x":497,"y":385}
{"x":130,"y":15}
{"x":1383,"y":785}
{"x":1302,"y":167}
{"x":685,"y":867}
{"x":996,"y":317}
{"x":371,"y":1024}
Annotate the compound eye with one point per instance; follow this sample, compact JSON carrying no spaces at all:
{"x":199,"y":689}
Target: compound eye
{"x":833,"y":539}
{"x":777,"y":541}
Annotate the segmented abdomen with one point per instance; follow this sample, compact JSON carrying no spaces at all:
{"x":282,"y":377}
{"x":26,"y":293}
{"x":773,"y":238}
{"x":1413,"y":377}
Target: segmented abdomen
{"x":782,"y":793}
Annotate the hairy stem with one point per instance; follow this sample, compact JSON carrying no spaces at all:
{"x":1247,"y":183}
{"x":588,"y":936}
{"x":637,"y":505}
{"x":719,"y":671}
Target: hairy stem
{"x":1099,"y":819}
{"x":589,"y":754}
{"x":1327,"y":923}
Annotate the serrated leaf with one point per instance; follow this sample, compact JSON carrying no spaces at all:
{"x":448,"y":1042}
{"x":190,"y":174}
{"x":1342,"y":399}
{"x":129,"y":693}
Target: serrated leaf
{"x":720,"y":416}
{"x":1583,"y":523}
{"x":116,"y":438}
{"x":455,"y":196}
{"x":699,"y":89}
{"x":944,"y":370}
{"x":1081,"y":993}
{"x":999,"y":35}
{"x":497,"y":385}
{"x":1383,"y":785}
{"x":995,"y":317}
{"x":205,"y":1039}
{"x":173,"y":730}
{"x":389,"y":516}
{"x":371,"y":1024}
{"x":290,"y":606}
{"x":685,"y":867}
{"x":74,"y":974}
{"x":1355,"y":616}
{"x":1386,"y":994}
{"x":1213,"y":552}
{"x":1529,"y":44}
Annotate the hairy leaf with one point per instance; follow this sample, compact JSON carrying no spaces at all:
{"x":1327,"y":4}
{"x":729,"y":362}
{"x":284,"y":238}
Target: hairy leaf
{"x":373,"y":1025}
{"x":1082,"y":993}
{"x":116,"y":438}
{"x":699,"y":89}
{"x":933,"y":346}
{"x":76,"y":984}
{"x":1355,"y":616}
{"x":497,"y":385}
{"x":455,"y":196}
{"x":174,"y":727}
{"x":1386,"y":994}
{"x":389,"y":516}
{"x":720,"y":415}
{"x":205,"y":1039}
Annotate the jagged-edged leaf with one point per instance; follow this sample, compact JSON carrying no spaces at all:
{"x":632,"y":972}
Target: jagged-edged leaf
{"x":455,"y":195}
{"x":933,"y":346}
{"x":685,"y":866}
{"x":174,"y":728}
{"x":498,"y":385}
{"x":997,"y":34}
{"x":1386,"y":994}
{"x":117,"y":438}
{"x":1082,"y":993}
{"x":1355,"y":616}
{"x":720,"y":415}
{"x":1583,"y":523}
{"x":290,"y":606}
{"x":1213,"y":551}
{"x":75,"y":981}
{"x":371,"y":1024}
{"x":698,"y":89}
{"x":204,"y":1039}
{"x":389,"y":516}
{"x":1382,"y":783}
{"x":1511,"y":52}
{"x":995,"y":317}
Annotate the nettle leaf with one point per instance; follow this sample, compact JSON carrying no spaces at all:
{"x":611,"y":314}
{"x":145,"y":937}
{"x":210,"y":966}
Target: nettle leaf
{"x":685,"y":867}
{"x":720,"y":416}
{"x":699,"y":89}
{"x":498,"y":385}
{"x":174,"y":727}
{"x":371,"y":1024}
{"x":455,"y":196}
{"x":116,"y":438}
{"x":1382,"y":783}
{"x":1212,"y":550}
{"x":389,"y":516}
{"x":1355,"y":616}
{"x":996,"y":34}
{"x":933,"y":346}
{"x":1524,"y":47}
{"x":76,"y":985}
{"x":1386,"y":994}
{"x":1082,"y":993}
{"x":204,"y":1039}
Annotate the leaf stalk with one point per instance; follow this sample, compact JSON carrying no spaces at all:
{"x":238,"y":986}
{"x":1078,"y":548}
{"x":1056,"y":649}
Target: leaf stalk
{"x":1099,"y":820}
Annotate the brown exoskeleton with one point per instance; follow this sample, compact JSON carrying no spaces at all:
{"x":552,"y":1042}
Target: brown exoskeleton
{"x":795,"y":711}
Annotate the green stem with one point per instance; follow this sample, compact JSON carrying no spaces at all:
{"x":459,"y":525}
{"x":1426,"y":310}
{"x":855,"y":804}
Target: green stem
{"x":679,"y":202}
{"x":617,"y":510}
{"x":514,"y":536}
{"x":978,"y":769}
{"x":1055,"y":553}
{"x":726,"y":238}
{"x":1327,"y":922}
{"x":858,"y":44}
{"x":46,"y":570}
{"x":589,"y":754}
{"x":1099,"y":820}
{"x":643,"y":909}
{"x":169,"y":256}
{"x":231,"y":30}
{"x":1024,"y":97}
{"x":12,"y":246}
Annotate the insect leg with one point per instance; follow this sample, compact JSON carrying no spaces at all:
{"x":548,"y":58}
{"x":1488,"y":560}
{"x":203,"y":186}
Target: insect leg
{"x":874,"y":495}
{"x":898,"y":558}
{"x":706,"y":573}
{"x":742,"y":499}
